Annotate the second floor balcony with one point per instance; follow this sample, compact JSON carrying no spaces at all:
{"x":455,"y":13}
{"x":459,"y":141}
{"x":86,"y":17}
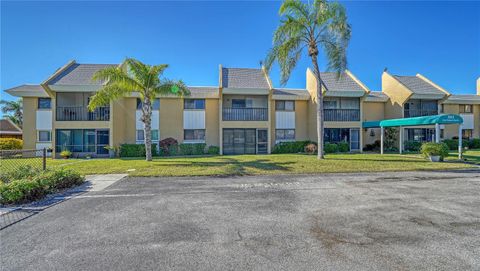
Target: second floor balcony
{"x":81,"y":113}
{"x":244,"y":114}
{"x":341,"y":114}
{"x":410,"y":113}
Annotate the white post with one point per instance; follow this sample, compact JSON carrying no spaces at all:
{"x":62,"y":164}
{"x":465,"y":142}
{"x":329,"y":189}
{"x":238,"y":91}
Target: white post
{"x":460,"y":127}
{"x":400,"y":149}
{"x":382,"y":131}
{"x":437,"y":133}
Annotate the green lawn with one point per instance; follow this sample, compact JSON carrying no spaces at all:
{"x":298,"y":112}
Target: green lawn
{"x":255,"y":164}
{"x":472,"y":156}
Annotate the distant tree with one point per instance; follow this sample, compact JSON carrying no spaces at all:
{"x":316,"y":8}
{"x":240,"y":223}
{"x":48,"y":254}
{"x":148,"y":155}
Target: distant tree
{"x":312,"y":26}
{"x":133,"y":76}
{"x":13,"y":110}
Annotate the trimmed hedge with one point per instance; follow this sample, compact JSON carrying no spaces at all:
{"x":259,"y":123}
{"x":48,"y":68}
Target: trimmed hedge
{"x":213,"y":150}
{"x":343,"y":147}
{"x":330,"y":148}
{"x":136,"y":150}
{"x":192,"y":148}
{"x":11,"y":144}
{"x":31,"y":188}
{"x":413,"y":146}
{"x":290,"y":147}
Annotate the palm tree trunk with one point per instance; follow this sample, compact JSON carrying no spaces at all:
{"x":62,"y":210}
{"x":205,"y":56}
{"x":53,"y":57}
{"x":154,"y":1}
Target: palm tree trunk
{"x":147,"y":121}
{"x":320,"y":124}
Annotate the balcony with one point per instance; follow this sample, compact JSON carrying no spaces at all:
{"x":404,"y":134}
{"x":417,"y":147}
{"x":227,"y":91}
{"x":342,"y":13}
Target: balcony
{"x":341,"y":114}
{"x":410,"y":113}
{"x":245,"y":114}
{"x":81,"y":113}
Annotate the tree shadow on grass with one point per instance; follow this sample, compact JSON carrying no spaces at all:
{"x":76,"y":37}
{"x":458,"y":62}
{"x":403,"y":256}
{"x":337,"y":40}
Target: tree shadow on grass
{"x":414,"y":160}
{"x":231,"y":166}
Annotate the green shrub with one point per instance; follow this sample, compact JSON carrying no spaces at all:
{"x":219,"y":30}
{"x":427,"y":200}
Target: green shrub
{"x":22,"y":172}
{"x":372,"y":147}
{"x":434,"y":149}
{"x":413,"y":146}
{"x":343,"y":147}
{"x":166,"y":144}
{"x":11,"y":144}
{"x":36,"y":187}
{"x":311,"y":148}
{"x":213,"y":150}
{"x":136,"y":150}
{"x":172,"y":150}
{"x":185,"y":149}
{"x":452,"y":144}
{"x":474,"y":143}
{"x":330,"y":147}
{"x":192,"y":148}
{"x":290,"y":147}
{"x":199,"y":148}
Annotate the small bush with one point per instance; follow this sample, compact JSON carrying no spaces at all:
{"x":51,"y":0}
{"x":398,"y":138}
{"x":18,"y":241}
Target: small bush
{"x":136,"y":150}
{"x":372,"y":147}
{"x":22,"y":172}
{"x":166,"y":144}
{"x":434,"y":149}
{"x":290,"y":147}
{"x":172,"y":150}
{"x":413,"y":146}
{"x":330,"y":148}
{"x":311,"y":148}
{"x":213,"y":150}
{"x":343,"y":147}
{"x":11,"y":144}
{"x":474,"y":143}
{"x":36,"y":187}
{"x":452,"y":144}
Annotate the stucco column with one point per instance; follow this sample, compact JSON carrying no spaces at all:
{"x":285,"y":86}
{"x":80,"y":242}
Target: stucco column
{"x":400,"y":149}
{"x":460,"y":127}
{"x":437,"y":133}
{"x":382,"y":131}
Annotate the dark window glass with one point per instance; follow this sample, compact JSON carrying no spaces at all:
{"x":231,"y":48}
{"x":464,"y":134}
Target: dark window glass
{"x":335,"y":135}
{"x":466,"y":108}
{"x":239,"y":103}
{"x":196,"y":134}
{"x":285,"y":105}
{"x":44,"y":136}
{"x":285,"y":134}
{"x":194,"y":104}
{"x":44,"y":103}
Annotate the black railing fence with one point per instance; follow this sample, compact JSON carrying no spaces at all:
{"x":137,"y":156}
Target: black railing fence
{"x":342,"y":114}
{"x":17,"y":160}
{"x":410,"y":113}
{"x":245,"y":114}
{"x":81,"y":113}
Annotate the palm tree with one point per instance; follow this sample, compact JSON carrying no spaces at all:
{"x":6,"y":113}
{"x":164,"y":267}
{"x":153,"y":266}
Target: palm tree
{"x":13,"y":110}
{"x":133,"y":76}
{"x":320,"y":25}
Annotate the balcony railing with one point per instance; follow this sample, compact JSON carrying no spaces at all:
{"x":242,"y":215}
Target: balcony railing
{"x":419,"y":113}
{"x":81,"y":113}
{"x":245,"y":114}
{"x":342,"y":114}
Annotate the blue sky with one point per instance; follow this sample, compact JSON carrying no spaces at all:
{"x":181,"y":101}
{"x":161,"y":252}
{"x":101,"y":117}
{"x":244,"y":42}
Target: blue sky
{"x":440,"y":40}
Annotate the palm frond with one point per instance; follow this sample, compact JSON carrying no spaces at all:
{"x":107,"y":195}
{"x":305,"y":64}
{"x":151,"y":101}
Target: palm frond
{"x":106,"y":94}
{"x":171,"y":87}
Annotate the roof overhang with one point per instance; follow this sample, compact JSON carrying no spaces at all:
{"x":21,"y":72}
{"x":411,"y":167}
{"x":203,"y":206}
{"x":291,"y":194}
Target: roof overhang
{"x":352,"y":94}
{"x":417,"y":121}
{"x":290,"y":97}
{"x":427,"y":96}
{"x":26,"y":93}
{"x":474,"y":100}
{"x":246,"y":91}
{"x":74,"y":88}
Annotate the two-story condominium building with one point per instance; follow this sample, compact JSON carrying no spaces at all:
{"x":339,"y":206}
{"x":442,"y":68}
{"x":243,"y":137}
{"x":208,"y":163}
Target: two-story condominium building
{"x":243,"y":114}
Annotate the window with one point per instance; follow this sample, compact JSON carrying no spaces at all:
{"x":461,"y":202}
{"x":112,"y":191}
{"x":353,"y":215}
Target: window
{"x":155,"y":104}
{"x":194,"y":104}
{"x":285,"y":105}
{"x":44,"y":136}
{"x":467,"y":133}
{"x":194,"y":135}
{"x":285,"y":134}
{"x":442,"y":109}
{"x":335,"y":135}
{"x":466,"y":108}
{"x":239,"y":103}
{"x":141,"y":135}
{"x":44,"y":103}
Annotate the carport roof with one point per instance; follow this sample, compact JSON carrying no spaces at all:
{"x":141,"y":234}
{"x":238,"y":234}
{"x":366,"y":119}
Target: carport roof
{"x":417,"y":121}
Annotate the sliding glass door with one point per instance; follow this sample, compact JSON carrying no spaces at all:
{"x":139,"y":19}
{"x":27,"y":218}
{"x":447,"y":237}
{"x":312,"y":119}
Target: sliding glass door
{"x":82,"y":140}
{"x":239,"y":141}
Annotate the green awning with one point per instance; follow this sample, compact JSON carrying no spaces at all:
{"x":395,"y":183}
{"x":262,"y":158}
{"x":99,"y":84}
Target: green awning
{"x":417,"y":121}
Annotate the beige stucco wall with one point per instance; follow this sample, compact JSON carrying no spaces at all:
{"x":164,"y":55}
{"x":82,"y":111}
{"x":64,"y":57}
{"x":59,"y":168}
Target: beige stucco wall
{"x":450,"y":130}
{"x":372,"y":111}
{"x":29,"y":123}
{"x":311,"y":106}
{"x":398,"y":95}
{"x":171,"y":119}
{"x":301,"y":115}
{"x":212,"y":122}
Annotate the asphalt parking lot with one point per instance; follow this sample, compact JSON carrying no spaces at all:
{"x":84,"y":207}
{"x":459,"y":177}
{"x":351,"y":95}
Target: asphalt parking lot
{"x":384,"y":221}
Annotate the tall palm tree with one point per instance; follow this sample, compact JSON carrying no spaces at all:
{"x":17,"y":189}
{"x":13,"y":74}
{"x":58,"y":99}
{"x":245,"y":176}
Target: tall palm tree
{"x":315,"y":26}
{"x":13,"y":110}
{"x":133,"y":76}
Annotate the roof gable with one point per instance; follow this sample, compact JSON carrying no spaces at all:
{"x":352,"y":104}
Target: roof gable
{"x":8,"y":127}
{"x":342,"y":82}
{"x":27,"y":91}
{"x":418,"y":85}
{"x":78,"y":74}
{"x":244,"y":78}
